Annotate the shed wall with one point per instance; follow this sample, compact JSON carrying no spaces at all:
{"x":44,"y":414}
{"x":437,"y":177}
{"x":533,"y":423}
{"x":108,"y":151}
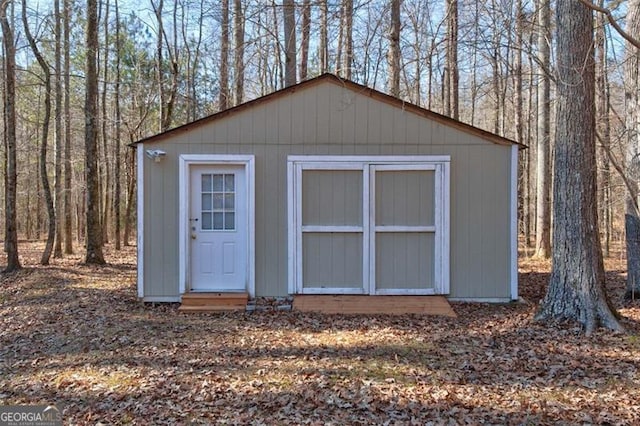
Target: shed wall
{"x":327,"y":119}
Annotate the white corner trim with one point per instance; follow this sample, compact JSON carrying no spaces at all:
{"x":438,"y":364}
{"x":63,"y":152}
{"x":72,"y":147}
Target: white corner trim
{"x":140,"y":217}
{"x":514,"y":222}
{"x":185,"y":161}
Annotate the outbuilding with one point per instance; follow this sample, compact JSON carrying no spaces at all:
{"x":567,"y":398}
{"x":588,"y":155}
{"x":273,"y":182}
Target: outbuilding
{"x":327,"y":187}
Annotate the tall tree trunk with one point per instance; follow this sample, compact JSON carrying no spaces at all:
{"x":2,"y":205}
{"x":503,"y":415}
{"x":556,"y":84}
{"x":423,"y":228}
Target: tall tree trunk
{"x":603,"y":127}
{"x":519,"y":119}
{"x":632,"y":123}
{"x":105,"y":183}
{"x":289,"y":22}
{"x":130,"y":158}
{"x":238,"y":58}
{"x":576,"y":289}
{"x":11,"y":229}
{"x":44,"y":176}
{"x":68,"y":215}
{"x":304,"y":43}
{"x":57,"y":249}
{"x":117,"y":193}
{"x":324,"y":36}
{"x":543,"y":162}
{"x":223,"y":98}
{"x":348,"y":38}
{"x":157,"y":9}
{"x":452,"y":74}
{"x":393,"y":55}
{"x":94,"y":232}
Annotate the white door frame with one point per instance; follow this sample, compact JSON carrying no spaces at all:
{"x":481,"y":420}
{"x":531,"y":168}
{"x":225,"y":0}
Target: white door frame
{"x":439,"y":163}
{"x":185,"y":162}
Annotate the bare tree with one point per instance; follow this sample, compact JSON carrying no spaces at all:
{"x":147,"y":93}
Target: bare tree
{"x":57,"y":250}
{"x":68,"y":222}
{"x":223,"y":97}
{"x":238,"y":56}
{"x":348,"y":38}
{"x":543,"y":162}
{"x":451,"y":71}
{"x":44,"y":175}
{"x":117,"y":193}
{"x":324,"y":37}
{"x":393,"y":54}
{"x":289,"y":22}
{"x":632,"y":123}
{"x":304,"y":43}
{"x":576,"y":289}
{"x":604,"y":130}
{"x":10,"y":176}
{"x":94,"y":231}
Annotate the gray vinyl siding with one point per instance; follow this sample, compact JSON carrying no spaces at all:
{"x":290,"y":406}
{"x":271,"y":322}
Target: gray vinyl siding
{"x":327,"y":119}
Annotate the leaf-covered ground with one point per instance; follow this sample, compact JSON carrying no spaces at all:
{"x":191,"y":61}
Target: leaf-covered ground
{"x":77,"y":336}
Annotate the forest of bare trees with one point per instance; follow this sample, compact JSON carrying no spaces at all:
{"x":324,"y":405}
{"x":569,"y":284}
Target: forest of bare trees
{"x":80,"y":86}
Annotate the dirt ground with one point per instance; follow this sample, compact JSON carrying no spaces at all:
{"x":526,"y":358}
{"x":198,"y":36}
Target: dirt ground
{"x":77,"y":336}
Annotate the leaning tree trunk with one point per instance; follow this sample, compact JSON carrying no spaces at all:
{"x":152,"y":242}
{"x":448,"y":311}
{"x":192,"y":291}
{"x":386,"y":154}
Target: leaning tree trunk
{"x":632,"y":118}
{"x":576,"y":288}
{"x":44,"y":175}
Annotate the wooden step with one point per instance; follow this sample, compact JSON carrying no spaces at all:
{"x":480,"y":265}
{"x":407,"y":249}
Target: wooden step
{"x":212,"y":302}
{"x":356,"y":304}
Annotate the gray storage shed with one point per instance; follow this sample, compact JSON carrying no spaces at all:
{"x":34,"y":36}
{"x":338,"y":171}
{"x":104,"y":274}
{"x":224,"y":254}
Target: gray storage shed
{"x":327,"y":187}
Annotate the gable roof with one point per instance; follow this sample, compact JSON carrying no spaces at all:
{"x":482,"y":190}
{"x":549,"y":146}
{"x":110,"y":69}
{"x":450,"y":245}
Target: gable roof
{"x":348,"y":84}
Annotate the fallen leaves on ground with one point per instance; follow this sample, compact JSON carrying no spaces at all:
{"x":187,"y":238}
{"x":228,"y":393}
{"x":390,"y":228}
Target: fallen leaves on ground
{"x":77,"y":336}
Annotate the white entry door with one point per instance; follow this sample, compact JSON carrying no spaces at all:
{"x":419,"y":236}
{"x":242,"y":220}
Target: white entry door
{"x":218,"y":228}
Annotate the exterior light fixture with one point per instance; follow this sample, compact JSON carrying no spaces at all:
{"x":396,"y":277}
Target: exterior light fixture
{"x":156,"y":154}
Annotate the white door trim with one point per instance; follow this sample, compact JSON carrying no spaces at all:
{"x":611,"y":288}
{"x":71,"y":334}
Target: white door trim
{"x":185,"y":161}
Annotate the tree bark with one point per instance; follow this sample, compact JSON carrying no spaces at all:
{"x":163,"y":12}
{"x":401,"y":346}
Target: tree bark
{"x":238,"y":60}
{"x":11,"y":231}
{"x":68,"y":211}
{"x":105,"y":182}
{"x":603,"y":129}
{"x":117,"y":193}
{"x":324,"y":36}
{"x":348,"y":39}
{"x":543,"y":162}
{"x":57,"y":249}
{"x":289,"y":23}
{"x":44,"y":175}
{"x":223,"y":98}
{"x":632,"y":124}
{"x":93,"y":231}
{"x":576,"y":289}
{"x":393,"y":54}
{"x":452,"y":74}
{"x":304,"y":43}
